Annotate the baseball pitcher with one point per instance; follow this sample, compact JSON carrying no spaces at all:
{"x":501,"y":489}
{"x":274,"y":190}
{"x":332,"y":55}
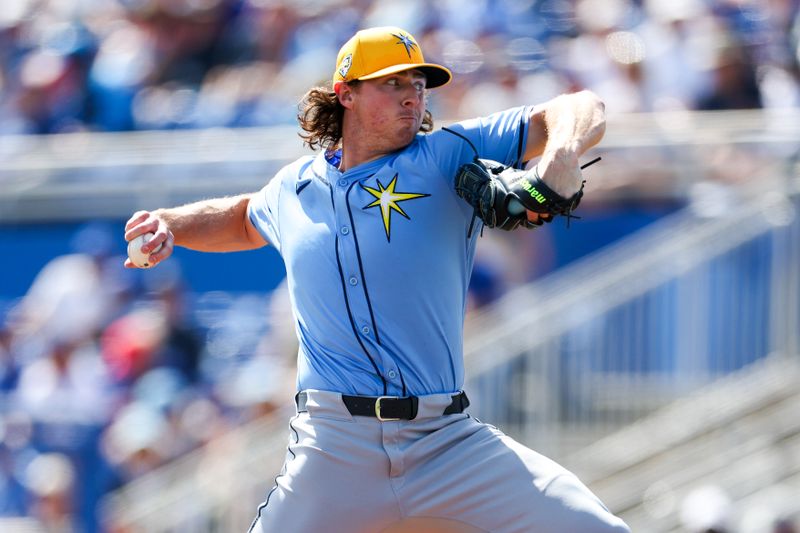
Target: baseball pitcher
{"x":378,"y":234}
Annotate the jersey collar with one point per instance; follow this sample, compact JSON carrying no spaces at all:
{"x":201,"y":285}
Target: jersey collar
{"x":326,"y":164}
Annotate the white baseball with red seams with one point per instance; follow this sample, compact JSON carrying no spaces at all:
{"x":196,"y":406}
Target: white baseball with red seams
{"x":135,"y":254}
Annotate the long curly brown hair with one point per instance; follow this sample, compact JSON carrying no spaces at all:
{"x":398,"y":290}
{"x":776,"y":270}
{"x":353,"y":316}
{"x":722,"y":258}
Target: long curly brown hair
{"x":321,"y":117}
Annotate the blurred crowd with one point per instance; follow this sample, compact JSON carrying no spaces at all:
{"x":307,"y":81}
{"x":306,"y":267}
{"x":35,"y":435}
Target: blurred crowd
{"x":106,"y":374}
{"x":111,"y":65}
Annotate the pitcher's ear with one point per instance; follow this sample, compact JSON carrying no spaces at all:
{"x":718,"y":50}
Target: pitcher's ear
{"x":344,"y":93}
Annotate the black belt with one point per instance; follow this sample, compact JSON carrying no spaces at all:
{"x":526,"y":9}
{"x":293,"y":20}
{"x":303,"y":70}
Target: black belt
{"x":388,"y":407}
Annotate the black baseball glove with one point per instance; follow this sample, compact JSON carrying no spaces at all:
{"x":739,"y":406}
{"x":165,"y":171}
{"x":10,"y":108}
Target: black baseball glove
{"x":501,"y":196}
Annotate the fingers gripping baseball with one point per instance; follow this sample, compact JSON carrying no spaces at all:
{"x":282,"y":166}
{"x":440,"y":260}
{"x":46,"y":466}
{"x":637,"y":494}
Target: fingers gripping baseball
{"x":150,"y":240}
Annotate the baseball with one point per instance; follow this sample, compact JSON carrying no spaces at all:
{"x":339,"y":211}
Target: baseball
{"x":135,"y":250}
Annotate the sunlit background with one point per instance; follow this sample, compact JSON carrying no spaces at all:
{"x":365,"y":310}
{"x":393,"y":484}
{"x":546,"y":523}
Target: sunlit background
{"x":651,"y":346}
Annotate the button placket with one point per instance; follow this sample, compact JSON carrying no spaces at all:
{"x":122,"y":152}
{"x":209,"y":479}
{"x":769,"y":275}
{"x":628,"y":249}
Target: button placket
{"x":348,"y":257}
{"x":345,"y":220}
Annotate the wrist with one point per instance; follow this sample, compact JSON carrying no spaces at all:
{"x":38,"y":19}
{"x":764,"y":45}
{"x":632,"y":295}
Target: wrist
{"x":559,"y":170}
{"x":561,"y":157}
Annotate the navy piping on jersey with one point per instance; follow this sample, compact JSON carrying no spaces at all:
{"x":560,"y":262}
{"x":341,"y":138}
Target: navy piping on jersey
{"x":302,"y":184}
{"x":360,"y":264}
{"x":352,"y":322}
{"x":453,"y":368}
{"x":347,"y":301}
{"x":521,"y":147}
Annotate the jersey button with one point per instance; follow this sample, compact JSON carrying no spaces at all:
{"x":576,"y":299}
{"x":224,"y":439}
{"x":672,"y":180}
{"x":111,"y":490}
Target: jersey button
{"x":392,"y":374}
{"x":365,"y":330}
{"x":342,"y":182}
{"x":345,"y":230}
{"x":353,"y":281}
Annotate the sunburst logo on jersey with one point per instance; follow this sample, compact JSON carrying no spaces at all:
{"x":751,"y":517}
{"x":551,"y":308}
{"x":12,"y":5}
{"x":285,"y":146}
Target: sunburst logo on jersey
{"x":387,"y":199}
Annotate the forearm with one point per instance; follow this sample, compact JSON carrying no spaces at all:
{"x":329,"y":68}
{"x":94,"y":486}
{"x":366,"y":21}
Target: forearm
{"x":217,"y":225}
{"x":571,"y":122}
{"x":561,"y":131}
{"x":574,"y":123}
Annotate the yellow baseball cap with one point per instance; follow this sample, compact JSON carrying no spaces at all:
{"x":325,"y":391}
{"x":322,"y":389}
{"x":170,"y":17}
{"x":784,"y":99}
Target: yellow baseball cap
{"x":377,"y":52}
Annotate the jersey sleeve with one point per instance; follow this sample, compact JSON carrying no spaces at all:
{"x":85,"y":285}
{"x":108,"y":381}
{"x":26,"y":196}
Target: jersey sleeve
{"x":263,"y":211}
{"x":500,"y":136}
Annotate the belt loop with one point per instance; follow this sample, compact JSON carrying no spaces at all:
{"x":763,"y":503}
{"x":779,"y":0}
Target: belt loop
{"x":459,"y":402}
{"x":463,"y":401}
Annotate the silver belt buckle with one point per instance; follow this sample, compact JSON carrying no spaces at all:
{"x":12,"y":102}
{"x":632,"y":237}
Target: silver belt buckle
{"x":378,"y":408}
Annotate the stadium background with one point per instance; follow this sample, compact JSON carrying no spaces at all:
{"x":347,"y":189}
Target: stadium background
{"x":108,"y":106}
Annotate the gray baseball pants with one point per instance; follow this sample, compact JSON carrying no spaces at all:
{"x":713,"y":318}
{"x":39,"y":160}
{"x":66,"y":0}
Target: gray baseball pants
{"x":353,"y":474}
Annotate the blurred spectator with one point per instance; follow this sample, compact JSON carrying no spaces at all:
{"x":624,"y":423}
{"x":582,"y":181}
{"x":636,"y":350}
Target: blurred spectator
{"x":73,"y":295}
{"x":267,"y":380}
{"x":69,"y":385}
{"x":155,"y":333}
{"x":51,"y":479}
{"x":734,"y":83}
{"x":67,"y":395}
{"x":181,"y":346}
{"x":130,"y":342}
{"x":674,"y":39}
{"x":137,"y":441}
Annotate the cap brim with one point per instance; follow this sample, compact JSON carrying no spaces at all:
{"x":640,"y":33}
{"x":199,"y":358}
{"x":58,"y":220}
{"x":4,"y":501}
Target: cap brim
{"x":436,"y":75}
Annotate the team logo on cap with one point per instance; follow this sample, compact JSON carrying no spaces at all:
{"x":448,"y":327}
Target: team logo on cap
{"x":406,"y":41}
{"x":387,"y":199}
{"x":344,"y":66}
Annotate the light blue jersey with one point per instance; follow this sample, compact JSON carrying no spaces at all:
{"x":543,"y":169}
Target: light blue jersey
{"x":378,"y":259}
